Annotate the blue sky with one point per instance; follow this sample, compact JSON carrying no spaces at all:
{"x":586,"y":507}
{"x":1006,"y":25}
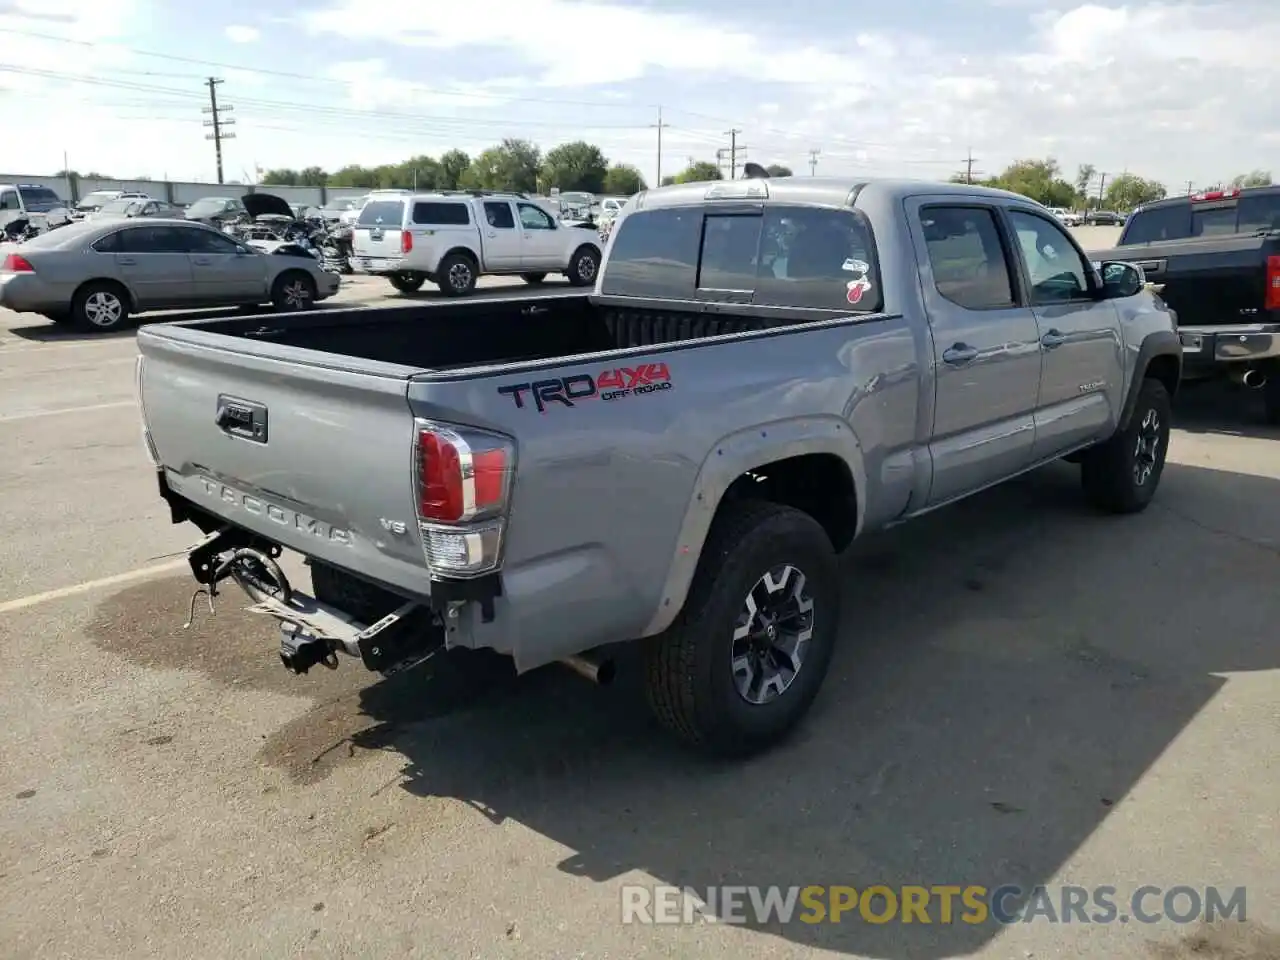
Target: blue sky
{"x":1175,"y":91}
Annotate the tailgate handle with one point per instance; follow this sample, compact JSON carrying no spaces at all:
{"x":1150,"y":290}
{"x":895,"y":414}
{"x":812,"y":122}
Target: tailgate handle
{"x":241,"y":418}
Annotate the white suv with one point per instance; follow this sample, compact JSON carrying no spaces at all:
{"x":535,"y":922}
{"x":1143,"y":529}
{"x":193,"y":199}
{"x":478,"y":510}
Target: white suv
{"x":452,"y":239}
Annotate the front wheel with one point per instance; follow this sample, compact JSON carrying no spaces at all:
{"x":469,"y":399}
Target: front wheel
{"x":293,"y":292}
{"x":408,"y":282}
{"x":1121,"y":475}
{"x":583,"y":267}
{"x":744,"y":661}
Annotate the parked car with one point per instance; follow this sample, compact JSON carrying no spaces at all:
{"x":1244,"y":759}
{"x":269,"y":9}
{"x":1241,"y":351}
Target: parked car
{"x":350,"y":215}
{"x":1073,"y":218}
{"x":126,"y":208}
{"x":216,"y":211}
{"x":95,"y":274}
{"x":1103,"y":218}
{"x":1215,"y":259}
{"x":452,"y":240}
{"x":765,"y":371}
{"x":41,"y":207}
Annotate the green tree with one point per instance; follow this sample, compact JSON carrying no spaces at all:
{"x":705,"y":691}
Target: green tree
{"x":312,"y":177}
{"x":1130,"y":190}
{"x":513,"y":165}
{"x":452,"y":166}
{"x":420,"y":173}
{"x":1084,"y":176}
{"x":698,"y":172}
{"x":1256,"y":178}
{"x":354,"y":175}
{"x":778,"y":170}
{"x":1038,"y":179}
{"x":575,"y":166}
{"x":623,"y":180}
{"x":668,"y":181}
{"x":282,"y":177}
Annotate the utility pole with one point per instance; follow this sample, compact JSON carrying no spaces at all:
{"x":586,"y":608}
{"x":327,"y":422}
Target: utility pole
{"x":660,"y":125}
{"x":1190,"y":184}
{"x":968,"y":166}
{"x":217,"y":121}
{"x":813,"y":161}
{"x":1102,"y":182}
{"x":733,"y":151}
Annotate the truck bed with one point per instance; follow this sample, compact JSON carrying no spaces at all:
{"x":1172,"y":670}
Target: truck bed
{"x":444,"y":336}
{"x":1212,"y":281}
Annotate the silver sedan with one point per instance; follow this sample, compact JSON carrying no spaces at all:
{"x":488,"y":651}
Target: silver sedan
{"x":95,"y":274}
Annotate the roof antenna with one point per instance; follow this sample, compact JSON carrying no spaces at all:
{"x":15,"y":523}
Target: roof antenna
{"x":753,"y":171}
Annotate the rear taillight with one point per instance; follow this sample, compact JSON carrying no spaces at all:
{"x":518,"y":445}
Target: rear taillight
{"x":14,"y":263}
{"x":463,"y":484}
{"x":1273,"y":283}
{"x":406,"y":241}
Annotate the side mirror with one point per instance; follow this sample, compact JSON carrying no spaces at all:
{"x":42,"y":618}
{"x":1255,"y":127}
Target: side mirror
{"x":1121,"y":280}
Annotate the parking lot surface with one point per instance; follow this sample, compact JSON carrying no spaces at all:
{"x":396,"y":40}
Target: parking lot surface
{"x":1083,"y":700}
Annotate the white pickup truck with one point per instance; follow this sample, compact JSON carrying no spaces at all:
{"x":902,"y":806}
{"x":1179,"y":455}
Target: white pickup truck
{"x":452,"y":239}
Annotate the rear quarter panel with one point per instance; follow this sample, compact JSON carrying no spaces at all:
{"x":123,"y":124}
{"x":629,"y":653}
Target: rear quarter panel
{"x":612,"y":498}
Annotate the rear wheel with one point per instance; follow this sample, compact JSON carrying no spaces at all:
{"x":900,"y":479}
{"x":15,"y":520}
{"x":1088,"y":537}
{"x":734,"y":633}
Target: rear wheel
{"x":1121,"y":475}
{"x":745,"y":659}
{"x":456,"y":275}
{"x":533,"y":278}
{"x":100,"y":306}
{"x":408,"y":282}
{"x":293,"y":291}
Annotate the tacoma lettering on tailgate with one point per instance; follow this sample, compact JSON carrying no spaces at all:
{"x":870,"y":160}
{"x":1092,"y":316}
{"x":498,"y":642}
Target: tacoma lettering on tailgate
{"x":276,"y":514}
{"x":615,"y":384}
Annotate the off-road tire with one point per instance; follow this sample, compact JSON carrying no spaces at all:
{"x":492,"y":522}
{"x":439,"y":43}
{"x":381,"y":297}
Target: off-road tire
{"x":1109,"y":472}
{"x":688,"y":668}
{"x":82,"y":307}
{"x":584,"y":266}
{"x":533,"y":279}
{"x":447,"y":273}
{"x":408,"y":282}
{"x":293,"y":292}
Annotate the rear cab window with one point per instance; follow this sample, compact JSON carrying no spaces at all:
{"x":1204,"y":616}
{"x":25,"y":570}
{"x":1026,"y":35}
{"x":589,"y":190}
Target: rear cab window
{"x":788,"y":256}
{"x":382,"y":213}
{"x":430,"y":213}
{"x":1248,"y":213}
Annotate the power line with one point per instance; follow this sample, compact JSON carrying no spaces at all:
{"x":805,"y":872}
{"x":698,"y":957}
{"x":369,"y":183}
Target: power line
{"x":217,"y":121}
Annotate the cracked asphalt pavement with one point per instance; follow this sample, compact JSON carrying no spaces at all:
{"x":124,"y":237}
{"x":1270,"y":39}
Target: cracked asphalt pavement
{"x":1024,"y":692}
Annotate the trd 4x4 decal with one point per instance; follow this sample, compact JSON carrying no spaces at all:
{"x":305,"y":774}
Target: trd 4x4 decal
{"x":615,"y":384}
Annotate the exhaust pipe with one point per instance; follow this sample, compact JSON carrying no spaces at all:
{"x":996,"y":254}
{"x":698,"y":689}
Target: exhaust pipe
{"x":1254,"y":378}
{"x":597,"y":671}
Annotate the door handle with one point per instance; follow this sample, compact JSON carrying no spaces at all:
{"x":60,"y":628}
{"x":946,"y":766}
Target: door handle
{"x":201,"y":261}
{"x":126,"y":261}
{"x":1053,"y":338}
{"x":493,"y":233}
{"x":960,"y":353}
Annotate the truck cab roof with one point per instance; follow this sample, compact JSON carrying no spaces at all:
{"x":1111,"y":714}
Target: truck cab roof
{"x":818,"y":191}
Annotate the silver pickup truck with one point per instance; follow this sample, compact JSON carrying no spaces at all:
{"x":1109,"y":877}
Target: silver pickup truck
{"x":765,"y":370}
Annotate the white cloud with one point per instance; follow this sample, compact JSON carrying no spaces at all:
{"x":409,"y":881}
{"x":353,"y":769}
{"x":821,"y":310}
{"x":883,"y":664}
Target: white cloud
{"x":238,"y":33}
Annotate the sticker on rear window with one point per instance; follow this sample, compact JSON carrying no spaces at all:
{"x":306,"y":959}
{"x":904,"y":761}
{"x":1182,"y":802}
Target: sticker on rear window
{"x":856,"y":288}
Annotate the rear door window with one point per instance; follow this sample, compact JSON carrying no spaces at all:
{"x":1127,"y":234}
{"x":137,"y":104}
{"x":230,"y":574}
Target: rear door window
{"x":654,"y":253}
{"x":382,"y":213}
{"x":969,"y":263}
{"x":1160,"y":223}
{"x":151,"y":240}
{"x":817,"y":258}
{"x":430,"y":213}
{"x":498,"y":213}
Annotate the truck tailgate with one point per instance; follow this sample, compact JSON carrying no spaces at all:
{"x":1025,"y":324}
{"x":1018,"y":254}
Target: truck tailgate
{"x":315,"y":457}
